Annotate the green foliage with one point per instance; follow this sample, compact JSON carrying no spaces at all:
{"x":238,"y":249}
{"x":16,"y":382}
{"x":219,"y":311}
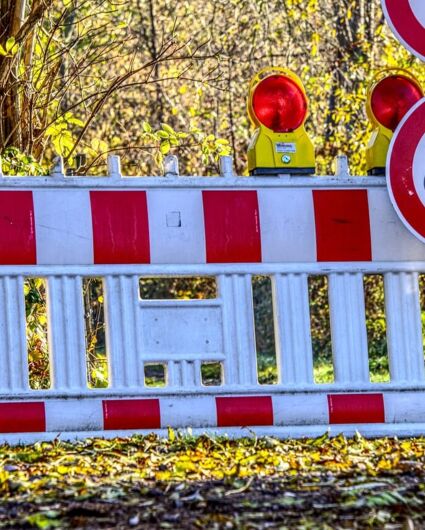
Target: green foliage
{"x":60,"y":134}
{"x":104,"y":76}
{"x":14,"y":162}
{"x":166,"y":140}
{"x":37,"y":344}
{"x":10,"y":48}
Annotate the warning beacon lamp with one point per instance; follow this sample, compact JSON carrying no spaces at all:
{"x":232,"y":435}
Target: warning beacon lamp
{"x":391,"y":95}
{"x":278,"y":108}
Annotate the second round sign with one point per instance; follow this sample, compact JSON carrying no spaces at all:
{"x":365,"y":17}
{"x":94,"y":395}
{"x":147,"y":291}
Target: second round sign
{"x":406,"y":170}
{"x":407,"y":20}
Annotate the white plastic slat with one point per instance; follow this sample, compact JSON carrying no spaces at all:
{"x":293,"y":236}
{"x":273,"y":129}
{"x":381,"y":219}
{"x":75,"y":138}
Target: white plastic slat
{"x":404,"y":327}
{"x":122,"y":331}
{"x":66,"y":332}
{"x":292,"y":328}
{"x":348,"y":328}
{"x":238,"y":327}
{"x":174,"y":375}
{"x":13,"y":347}
{"x":184,"y":374}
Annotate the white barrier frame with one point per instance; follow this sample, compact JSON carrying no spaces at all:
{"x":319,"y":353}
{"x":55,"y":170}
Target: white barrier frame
{"x":293,"y":341}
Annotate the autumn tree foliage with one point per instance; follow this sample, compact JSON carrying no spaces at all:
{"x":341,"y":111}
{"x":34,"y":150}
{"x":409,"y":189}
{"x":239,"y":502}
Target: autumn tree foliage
{"x":102,"y":77}
{"x":62,"y":64}
{"x":144,"y":78}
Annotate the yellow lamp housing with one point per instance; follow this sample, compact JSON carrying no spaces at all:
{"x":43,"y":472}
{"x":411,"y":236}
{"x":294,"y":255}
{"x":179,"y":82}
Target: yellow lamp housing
{"x":391,"y":95}
{"x":278,"y":108}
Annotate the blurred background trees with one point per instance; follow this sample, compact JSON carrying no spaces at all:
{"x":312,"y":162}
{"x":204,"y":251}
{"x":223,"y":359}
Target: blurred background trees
{"x":103,"y":76}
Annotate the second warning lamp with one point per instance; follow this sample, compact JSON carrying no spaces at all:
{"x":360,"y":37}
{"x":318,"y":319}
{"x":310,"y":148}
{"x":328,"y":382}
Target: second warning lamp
{"x":391,"y":95}
{"x":278,"y":108}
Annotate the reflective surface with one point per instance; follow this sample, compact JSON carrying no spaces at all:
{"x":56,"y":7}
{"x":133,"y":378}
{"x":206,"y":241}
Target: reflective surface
{"x":279,"y":104}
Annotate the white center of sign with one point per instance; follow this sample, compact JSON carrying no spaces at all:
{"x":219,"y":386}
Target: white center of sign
{"x":418,"y":8}
{"x":418,"y":169}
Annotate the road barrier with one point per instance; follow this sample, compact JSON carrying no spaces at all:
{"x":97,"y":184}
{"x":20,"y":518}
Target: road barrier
{"x":65,"y":229}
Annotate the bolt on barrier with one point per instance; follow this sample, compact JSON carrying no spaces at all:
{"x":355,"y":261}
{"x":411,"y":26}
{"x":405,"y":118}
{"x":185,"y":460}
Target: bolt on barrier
{"x":121,"y":229}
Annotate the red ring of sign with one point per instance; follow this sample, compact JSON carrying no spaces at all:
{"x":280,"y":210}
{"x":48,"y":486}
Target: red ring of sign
{"x":400,"y":179}
{"x":405,"y":25}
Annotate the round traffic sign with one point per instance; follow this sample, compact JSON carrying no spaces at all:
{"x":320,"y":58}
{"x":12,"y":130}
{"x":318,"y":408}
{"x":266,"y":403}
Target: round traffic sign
{"x":406,"y":170}
{"x":407,"y":20}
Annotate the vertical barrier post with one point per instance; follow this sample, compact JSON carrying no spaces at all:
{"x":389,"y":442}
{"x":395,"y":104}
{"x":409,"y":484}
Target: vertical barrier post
{"x":292,"y":328}
{"x":404,"y":327}
{"x":171,"y":166}
{"x":348,"y":328}
{"x":57,"y":170}
{"x":342,"y":168}
{"x":13,"y":345}
{"x":66,"y":332}
{"x":239,"y":334}
{"x":184,"y":374}
{"x":226,"y":166}
{"x":122,"y":331}
{"x":114,"y":167}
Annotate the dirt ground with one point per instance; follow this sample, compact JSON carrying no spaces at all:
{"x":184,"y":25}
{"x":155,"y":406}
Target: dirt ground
{"x":193,"y":483}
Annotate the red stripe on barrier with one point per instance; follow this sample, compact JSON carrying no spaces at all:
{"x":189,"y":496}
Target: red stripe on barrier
{"x":22,"y":417}
{"x":244,"y":411}
{"x":120,"y":227}
{"x":232,"y":226}
{"x":342,"y":225}
{"x":356,"y":408}
{"x":131,"y":414}
{"x":17,"y":228}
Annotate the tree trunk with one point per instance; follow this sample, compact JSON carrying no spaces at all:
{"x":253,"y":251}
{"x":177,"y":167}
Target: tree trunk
{"x":18,"y":19}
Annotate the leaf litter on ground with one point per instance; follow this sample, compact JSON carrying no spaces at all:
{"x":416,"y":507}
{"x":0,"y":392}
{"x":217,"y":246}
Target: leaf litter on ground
{"x":214,"y":483}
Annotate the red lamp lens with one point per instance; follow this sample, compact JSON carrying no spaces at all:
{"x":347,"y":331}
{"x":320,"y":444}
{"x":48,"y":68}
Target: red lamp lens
{"x":392,"y":98}
{"x":279,"y":104}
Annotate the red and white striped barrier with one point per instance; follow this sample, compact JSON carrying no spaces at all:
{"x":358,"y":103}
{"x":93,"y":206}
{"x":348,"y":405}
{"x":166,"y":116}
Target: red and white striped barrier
{"x":196,"y":226}
{"x":231,"y":228}
{"x":209,"y":412}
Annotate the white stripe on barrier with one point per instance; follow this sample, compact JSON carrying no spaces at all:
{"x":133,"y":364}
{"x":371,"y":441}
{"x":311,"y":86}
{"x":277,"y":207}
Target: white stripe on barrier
{"x":291,"y":410}
{"x":176,"y":226}
{"x":63,"y":225}
{"x":70,"y":415}
{"x":287,"y":225}
{"x":391,"y":241}
{"x":405,"y":407}
{"x":187,"y":412}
